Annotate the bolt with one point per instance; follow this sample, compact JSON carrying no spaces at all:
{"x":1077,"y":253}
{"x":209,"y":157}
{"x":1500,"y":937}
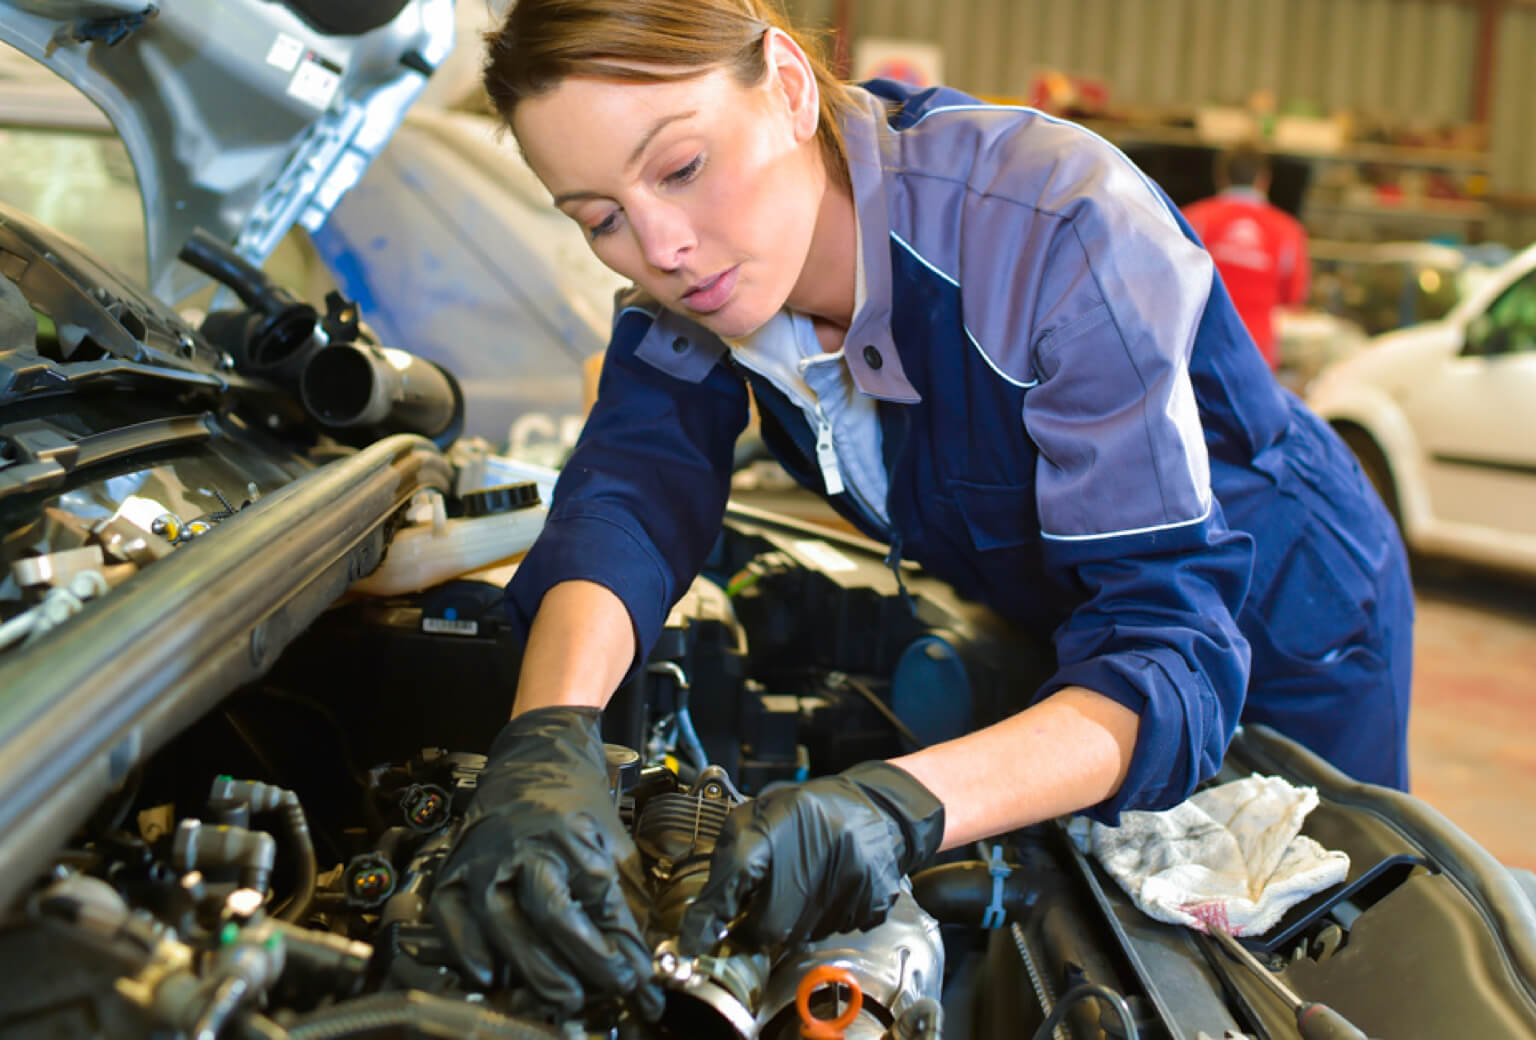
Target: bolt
{"x":243,"y":902}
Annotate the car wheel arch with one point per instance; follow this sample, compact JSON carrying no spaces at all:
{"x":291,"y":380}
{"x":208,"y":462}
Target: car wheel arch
{"x":1374,"y":462}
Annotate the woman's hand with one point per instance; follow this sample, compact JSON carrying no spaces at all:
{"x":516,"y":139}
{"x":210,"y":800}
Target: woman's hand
{"x":543,"y":875}
{"x":804,"y":861}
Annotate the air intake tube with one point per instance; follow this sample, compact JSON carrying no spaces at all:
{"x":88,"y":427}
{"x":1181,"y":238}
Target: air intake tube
{"x":372,"y":389}
{"x":276,"y":335}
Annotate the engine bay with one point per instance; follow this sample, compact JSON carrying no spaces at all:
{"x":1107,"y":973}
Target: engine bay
{"x":231,"y":769}
{"x":197,"y":898}
{"x":267,"y":873}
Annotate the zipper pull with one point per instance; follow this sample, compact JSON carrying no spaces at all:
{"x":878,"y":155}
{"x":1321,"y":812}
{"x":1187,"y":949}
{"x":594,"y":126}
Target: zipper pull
{"x":893,"y":561}
{"x":826,"y":457}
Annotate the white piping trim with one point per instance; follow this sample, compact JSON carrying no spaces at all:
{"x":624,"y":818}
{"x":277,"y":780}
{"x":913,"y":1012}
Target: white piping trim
{"x":1004,"y":376}
{"x":1121,"y":534}
{"x":1059,"y":122}
{"x":653,"y":315}
{"x":924,"y":260}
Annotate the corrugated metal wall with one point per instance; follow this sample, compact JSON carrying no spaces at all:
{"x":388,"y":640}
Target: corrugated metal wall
{"x":1408,"y":60}
{"x":1397,"y":57}
{"x":1513,"y":130}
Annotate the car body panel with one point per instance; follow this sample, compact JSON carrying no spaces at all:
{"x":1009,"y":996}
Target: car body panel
{"x":452,"y":250}
{"x":1454,"y":426}
{"x":245,"y":164}
{"x":449,"y":244}
{"x":1478,"y":432}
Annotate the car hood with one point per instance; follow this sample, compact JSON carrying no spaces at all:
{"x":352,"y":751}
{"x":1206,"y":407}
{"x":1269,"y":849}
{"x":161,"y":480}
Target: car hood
{"x":242,"y":117}
{"x":1396,"y":363}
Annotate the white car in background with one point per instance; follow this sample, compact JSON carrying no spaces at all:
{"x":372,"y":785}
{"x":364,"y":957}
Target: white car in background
{"x":1441,"y":417}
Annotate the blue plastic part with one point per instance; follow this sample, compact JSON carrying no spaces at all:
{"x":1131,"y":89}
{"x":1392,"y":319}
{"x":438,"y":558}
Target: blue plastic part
{"x":996,"y":916}
{"x":689,"y":738}
{"x":931,"y":692}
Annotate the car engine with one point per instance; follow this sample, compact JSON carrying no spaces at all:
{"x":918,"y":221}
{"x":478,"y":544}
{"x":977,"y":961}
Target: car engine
{"x":189,"y":934}
{"x":231,"y":768}
{"x":195,"y":902}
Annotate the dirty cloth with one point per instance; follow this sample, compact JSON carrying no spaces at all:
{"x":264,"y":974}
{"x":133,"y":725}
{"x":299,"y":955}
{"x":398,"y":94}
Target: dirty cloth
{"x":1232,"y":856}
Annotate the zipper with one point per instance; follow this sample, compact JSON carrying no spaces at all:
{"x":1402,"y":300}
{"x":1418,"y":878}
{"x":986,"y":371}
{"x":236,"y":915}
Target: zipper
{"x":826,"y":451}
{"x":798,"y":420}
{"x":893,"y":467}
{"x":826,"y":454}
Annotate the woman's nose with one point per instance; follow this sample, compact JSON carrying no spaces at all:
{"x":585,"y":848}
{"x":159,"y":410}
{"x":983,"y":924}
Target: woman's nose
{"x":666,"y":237}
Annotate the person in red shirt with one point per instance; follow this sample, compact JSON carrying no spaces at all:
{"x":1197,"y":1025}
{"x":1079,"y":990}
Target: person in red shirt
{"x":1260,"y":250}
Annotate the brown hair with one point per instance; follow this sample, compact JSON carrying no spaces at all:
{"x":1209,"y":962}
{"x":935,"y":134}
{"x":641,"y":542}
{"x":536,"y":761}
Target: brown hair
{"x":543,"y":42}
{"x":1241,"y":166}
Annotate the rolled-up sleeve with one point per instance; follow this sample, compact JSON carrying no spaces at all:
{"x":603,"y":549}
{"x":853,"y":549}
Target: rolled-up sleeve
{"x":639,"y":504}
{"x":1126,"y":510}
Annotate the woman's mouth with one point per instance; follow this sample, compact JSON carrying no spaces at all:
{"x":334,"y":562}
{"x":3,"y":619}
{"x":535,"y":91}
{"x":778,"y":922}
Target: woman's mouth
{"x":711,"y":294}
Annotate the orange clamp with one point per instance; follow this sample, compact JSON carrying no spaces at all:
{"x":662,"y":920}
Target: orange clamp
{"x":813,"y":1028}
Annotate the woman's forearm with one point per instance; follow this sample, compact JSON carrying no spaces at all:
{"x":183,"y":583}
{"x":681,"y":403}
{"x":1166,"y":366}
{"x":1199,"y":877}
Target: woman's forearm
{"x":1070,"y":751}
{"x":579,"y":647}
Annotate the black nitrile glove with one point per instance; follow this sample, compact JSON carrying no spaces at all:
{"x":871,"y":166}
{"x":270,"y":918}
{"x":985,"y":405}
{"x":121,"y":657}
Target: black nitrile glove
{"x":815,"y":858}
{"x":544,"y":874}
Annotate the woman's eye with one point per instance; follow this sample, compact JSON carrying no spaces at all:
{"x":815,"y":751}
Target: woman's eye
{"x":607,"y":225}
{"x":686,"y":173}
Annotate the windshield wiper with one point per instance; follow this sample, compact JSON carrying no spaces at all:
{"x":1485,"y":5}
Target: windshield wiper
{"x":24,"y":373}
{"x":46,"y":456}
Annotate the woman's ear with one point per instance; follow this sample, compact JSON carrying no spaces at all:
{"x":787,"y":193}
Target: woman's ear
{"x":794,"y":80}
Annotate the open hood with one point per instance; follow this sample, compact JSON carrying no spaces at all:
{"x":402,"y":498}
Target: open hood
{"x":241,"y":117}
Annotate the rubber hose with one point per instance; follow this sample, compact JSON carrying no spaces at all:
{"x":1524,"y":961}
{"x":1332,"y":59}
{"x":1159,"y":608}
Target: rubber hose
{"x":959,"y":893}
{"x":689,"y":735}
{"x":219,"y":261}
{"x":396,"y":1011}
{"x":298,"y":830}
{"x":259,"y":1027}
{"x":399,"y":967}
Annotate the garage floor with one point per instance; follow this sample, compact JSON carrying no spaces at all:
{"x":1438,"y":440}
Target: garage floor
{"x":1471,"y":743}
{"x":1472,"y":731}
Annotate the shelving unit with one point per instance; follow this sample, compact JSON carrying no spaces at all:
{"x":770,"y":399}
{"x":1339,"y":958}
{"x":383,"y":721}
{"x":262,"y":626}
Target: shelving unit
{"x":1417,"y":209}
{"x":1450,"y":159}
{"x":1331,"y":212}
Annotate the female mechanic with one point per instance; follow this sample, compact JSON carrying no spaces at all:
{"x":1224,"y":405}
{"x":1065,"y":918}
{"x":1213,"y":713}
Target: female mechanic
{"x":989,"y":341}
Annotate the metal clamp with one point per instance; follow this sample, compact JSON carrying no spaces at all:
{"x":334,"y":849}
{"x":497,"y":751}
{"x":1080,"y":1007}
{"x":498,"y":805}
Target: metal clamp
{"x":996,"y":914}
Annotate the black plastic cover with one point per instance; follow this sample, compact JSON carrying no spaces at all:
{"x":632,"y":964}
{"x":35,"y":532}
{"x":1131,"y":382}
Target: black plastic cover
{"x":346,"y":17}
{"x":505,"y":498}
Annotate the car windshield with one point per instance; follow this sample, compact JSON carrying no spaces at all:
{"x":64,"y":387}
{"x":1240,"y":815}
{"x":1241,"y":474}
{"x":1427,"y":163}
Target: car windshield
{"x":1514,"y":315}
{"x":79,"y":182}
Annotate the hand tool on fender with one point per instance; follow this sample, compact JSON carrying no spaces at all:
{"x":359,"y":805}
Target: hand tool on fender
{"x":1313,"y":1020}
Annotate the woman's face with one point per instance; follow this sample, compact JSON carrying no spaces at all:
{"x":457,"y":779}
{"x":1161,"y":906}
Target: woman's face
{"x":702,"y":191}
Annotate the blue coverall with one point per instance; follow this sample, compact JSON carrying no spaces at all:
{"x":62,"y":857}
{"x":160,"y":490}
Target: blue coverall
{"x":1077,"y":431}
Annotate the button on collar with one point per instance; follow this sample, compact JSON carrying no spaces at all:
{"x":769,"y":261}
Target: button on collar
{"x":679,"y":345}
{"x":872,"y":357}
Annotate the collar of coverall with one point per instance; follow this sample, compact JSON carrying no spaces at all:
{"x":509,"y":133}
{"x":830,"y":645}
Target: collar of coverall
{"x":868,"y":347}
{"x":682,"y":348}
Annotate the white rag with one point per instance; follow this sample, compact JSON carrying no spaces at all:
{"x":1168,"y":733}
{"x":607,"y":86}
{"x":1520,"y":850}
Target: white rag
{"x":1232,"y":856}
